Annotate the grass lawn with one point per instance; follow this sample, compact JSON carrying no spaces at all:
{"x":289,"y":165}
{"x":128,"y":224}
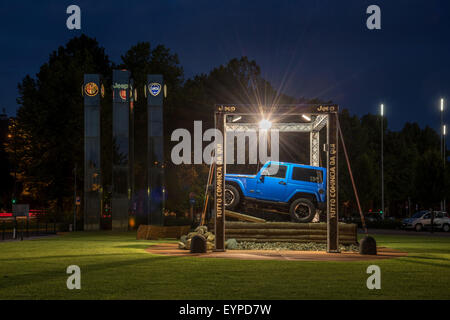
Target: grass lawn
{"x":115,"y":266}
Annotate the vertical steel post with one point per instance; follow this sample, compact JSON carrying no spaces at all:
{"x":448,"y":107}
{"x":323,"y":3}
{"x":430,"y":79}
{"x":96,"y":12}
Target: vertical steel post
{"x":382,"y":164}
{"x":442,"y":140}
{"x":332,"y":184}
{"x":219,"y":181}
{"x":75,"y":198}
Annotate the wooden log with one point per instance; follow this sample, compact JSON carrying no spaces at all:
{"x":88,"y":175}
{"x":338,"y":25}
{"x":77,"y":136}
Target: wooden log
{"x":284,"y":232}
{"x":288,"y":232}
{"x":281,"y":225}
{"x":267,"y":225}
{"x":287,"y":225}
{"x":276,"y":231}
{"x":243,"y":217}
{"x":243,"y":235}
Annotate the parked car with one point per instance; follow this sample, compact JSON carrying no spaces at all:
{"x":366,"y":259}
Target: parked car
{"x":298,"y":189}
{"x":422,"y":220}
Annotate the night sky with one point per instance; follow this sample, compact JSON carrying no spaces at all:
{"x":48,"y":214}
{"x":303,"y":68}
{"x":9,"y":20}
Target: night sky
{"x":305,"y":48}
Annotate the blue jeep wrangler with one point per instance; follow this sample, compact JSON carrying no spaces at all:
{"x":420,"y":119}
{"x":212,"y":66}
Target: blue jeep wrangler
{"x":298,"y":188}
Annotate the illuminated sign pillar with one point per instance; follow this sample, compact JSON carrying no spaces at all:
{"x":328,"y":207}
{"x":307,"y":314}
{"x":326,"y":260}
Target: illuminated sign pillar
{"x":156,"y":193}
{"x":93,"y":90}
{"x":121,"y":185}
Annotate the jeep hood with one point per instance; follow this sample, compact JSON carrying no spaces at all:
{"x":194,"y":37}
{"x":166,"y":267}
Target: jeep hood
{"x":232,"y":175}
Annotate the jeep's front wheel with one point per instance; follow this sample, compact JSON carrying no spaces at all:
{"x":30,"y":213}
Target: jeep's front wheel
{"x":232,"y":197}
{"x":302,"y":210}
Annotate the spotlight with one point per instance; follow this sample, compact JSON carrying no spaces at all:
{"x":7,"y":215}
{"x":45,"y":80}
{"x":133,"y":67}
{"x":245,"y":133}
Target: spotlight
{"x":265,"y":124}
{"x":307,"y":118}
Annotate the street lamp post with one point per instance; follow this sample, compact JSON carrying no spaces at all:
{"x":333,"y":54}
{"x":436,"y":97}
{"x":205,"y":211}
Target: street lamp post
{"x":75,"y":199}
{"x":444,"y":128}
{"x":382,"y":160}
{"x":442,"y":133}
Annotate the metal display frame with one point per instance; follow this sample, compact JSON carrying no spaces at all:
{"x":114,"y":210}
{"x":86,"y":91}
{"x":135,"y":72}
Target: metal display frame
{"x":324,"y":115}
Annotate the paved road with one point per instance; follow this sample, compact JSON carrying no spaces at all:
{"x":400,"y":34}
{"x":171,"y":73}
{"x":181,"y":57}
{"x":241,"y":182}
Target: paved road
{"x":406,"y":232}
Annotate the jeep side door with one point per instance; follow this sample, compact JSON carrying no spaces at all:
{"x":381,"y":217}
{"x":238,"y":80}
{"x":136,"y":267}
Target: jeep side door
{"x":308,"y":180}
{"x":271,"y":184}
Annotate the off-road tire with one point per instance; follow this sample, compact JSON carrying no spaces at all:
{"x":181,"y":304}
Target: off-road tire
{"x":303,"y":204}
{"x":231,"y":193}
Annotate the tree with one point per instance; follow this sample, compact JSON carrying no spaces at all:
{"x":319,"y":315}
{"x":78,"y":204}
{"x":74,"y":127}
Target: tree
{"x":430,"y":179}
{"x":142,"y":60}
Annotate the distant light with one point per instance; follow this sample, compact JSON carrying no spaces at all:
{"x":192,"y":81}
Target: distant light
{"x":304,"y":116}
{"x":236,"y":119}
{"x":442,"y":104}
{"x":382,"y":109}
{"x":445,"y":130}
{"x":132,"y":222}
{"x":265,"y":124}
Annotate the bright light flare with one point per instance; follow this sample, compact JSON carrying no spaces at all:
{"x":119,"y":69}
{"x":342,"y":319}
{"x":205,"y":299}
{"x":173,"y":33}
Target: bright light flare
{"x":235,"y":119}
{"x":444,"y":130}
{"x":265,"y":124}
{"x":307,"y":118}
{"x":442,"y":105}
{"x":382,"y":109}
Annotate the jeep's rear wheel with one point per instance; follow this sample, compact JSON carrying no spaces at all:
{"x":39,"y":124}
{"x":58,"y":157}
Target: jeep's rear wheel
{"x":446,"y":227}
{"x":302,"y":210}
{"x":418,"y":227}
{"x":232,"y":197}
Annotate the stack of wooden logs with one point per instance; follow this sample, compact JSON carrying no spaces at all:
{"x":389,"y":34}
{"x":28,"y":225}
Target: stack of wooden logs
{"x":288,"y":232}
{"x":148,"y":232}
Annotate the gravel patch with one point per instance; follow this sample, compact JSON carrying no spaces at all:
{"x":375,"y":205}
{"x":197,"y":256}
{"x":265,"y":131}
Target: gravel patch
{"x":307,"y":246}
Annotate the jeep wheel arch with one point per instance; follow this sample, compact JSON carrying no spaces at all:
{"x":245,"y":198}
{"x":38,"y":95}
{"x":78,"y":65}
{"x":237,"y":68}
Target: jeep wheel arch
{"x":303,"y":195}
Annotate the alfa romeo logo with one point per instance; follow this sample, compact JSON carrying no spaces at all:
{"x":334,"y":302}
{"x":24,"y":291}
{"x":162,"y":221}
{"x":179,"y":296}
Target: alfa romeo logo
{"x":154,"y":88}
{"x":91,"y":89}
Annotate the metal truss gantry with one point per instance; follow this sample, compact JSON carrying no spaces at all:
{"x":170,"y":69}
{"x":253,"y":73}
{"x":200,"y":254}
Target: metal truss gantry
{"x":317,"y":123}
